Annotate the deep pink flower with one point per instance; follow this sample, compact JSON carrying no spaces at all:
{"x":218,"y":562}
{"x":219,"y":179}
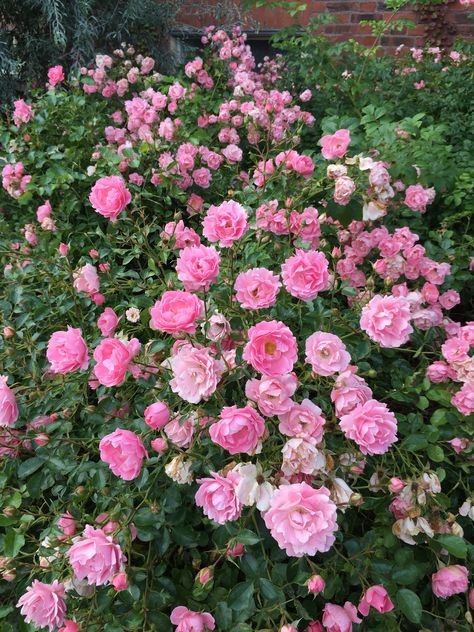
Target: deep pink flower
{"x":257,"y":288}
{"x":8,"y":406}
{"x":157,"y":415}
{"x":124,"y":452}
{"x":225,"y":223}
{"x":238,"y":429}
{"x":113,"y":358}
{"x":109,"y":196}
{"x":375,"y":597}
{"x":107,"y":322}
{"x":217,"y":497}
{"x":271,"y":348}
{"x":197,"y":267}
{"x":95,"y":557}
{"x":67,"y":351}
{"x":335,"y":145}
{"x":176,"y":312}
{"x":305,"y":274}
{"x":55,"y":75}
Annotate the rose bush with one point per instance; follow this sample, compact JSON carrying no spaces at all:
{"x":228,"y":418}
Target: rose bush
{"x":229,"y":365}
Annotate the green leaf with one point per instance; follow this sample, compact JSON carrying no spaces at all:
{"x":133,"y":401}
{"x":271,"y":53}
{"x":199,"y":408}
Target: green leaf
{"x":240,"y":596}
{"x":13,"y":543}
{"x":415,"y":442}
{"x":270,"y":591}
{"x":410,"y":604}
{"x":453,"y":544}
{"x":435,"y":453}
{"x":28,"y":467}
{"x":247,"y":537}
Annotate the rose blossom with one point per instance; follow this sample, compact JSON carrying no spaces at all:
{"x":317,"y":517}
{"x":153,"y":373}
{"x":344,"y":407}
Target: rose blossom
{"x":463,"y":400}
{"x":316,"y":584}
{"x":86,"y":279}
{"x":217,"y":497}
{"x":386,"y":320}
{"x":338,"y":618}
{"x":67,"y":351}
{"x":272,"y":394}
{"x":8,"y":406}
{"x":238,"y":429}
{"x":305,"y":274}
{"x":450,"y":580}
{"x":344,"y":188}
{"x":113,"y":358}
{"x":375,"y":597}
{"x":107,"y":322}
{"x":252,"y":489}
{"x":55,"y":75}
{"x":349,"y":391}
{"x":109,"y":196}
{"x":335,"y":145}
{"x":69,"y":626}
{"x":257,"y":288}
{"x":123,"y":451}
{"x":156,"y":415}
{"x":180,"y":431}
{"x":303,"y":420}
{"x":120,"y":581}
{"x":225,"y":223}
{"x":271,"y":348}
{"x":22,"y":113}
{"x":67,"y":524}
{"x":43,"y":604}
{"x":95,"y":557}
{"x":190,"y":621}
{"x":417,"y":197}
{"x":196,"y":373}
{"x":326,"y":353}
{"x":301,"y":519}
{"x":197,"y":267}
{"x":176,"y":312}
{"x":300,"y":456}
{"x":371,"y":425}
{"x":216,"y":328}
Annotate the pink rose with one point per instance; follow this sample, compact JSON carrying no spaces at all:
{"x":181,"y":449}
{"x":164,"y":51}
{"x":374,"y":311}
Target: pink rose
{"x":202,"y":177}
{"x":157,"y":415}
{"x":189,"y":621}
{"x":455,"y":350}
{"x":372,"y":426}
{"x":109,"y":196}
{"x":67,"y":524}
{"x":305,"y":274}
{"x":225,"y":223}
{"x":107,"y":322}
{"x":43,"y":211}
{"x":416,"y":197}
{"x":43,"y":604}
{"x":350,"y":390}
{"x":197,"y":267}
{"x":8,"y":406}
{"x":303,"y":420}
{"x":271,"y":348}
{"x":124,"y":451}
{"x":449,"y":299}
{"x":338,"y":618}
{"x":120,"y":581}
{"x":113,"y":358}
{"x":335,"y":145}
{"x":386,"y":320}
{"x":302,"y":519}
{"x":176,"y":312}
{"x":326,"y":353}
{"x":217,"y":497}
{"x":343,"y":190}
{"x":233,"y":153}
{"x":67,"y":351}
{"x":238,"y":430}
{"x":463,"y":400}
{"x":305,"y":95}
{"x":196,"y":373}
{"x":69,"y":626}
{"x":159,"y":445}
{"x":95,"y":557}
{"x":257,"y":288}
{"x":22,"y":112}
{"x":272,"y":394}
{"x":300,"y":456}
{"x":375,"y":597}
{"x":55,"y":75}
{"x":86,"y":279}
{"x":316,"y":584}
{"x":180,"y":431}
{"x":450,"y":580}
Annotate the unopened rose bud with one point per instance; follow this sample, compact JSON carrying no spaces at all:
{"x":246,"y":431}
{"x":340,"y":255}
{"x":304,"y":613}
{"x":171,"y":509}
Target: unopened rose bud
{"x":236,"y":551}
{"x":288,"y":628}
{"x":41,"y":439}
{"x":80,"y":491}
{"x":356,"y":500}
{"x":396,"y":485}
{"x":316,"y":584}
{"x":205,"y":574}
{"x":9,"y":512}
{"x":9,"y":575}
{"x":120,"y":581}
{"x":8,"y":332}
{"x":154,"y":507}
{"x":372,"y":373}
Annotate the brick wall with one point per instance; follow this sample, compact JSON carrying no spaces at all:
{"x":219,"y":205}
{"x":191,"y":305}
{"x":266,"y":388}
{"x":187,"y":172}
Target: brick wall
{"x":454,"y":22}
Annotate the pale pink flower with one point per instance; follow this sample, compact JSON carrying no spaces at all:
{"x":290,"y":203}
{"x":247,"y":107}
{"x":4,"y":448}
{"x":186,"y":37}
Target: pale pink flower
{"x":109,"y":196}
{"x":217,"y":497}
{"x":124,"y":452}
{"x":43,"y":604}
{"x":450,"y":580}
{"x":156,"y":415}
{"x":107,"y":322}
{"x":316,"y":584}
{"x":67,"y":524}
{"x":272,"y":394}
{"x":335,"y":145}
{"x":303,"y":420}
{"x":305,"y":274}
{"x":225,"y":223}
{"x":197,"y":267}
{"x":22,"y":112}
{"x":180,"y":431}
{"x":86,"y":279}
{"x":463,"y":400}
{"x":176,"y":312}
{"x":375,"y":597}
{"x":417,"y":197}
{"x":343,"y":190}
{"x":271,"y":348}
{"x":372,"y":426}
{"x":95,"y":557}
{"x":326,"y":353}
{"x":257,"y":288}
{"x":43,"y":211}
{"x":113,"y":357}
{"x":67,"y":351}
{"x":386,"y":320}
{"x":190,"y":621}
{"x":8,"y":406}
{"x":238,"y":430}
{"x":349,"y":391}
{"x":300,"y":456}
{"x":338,"y":618}
{"x":196,"y":373}
{"x":301,"y":519}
